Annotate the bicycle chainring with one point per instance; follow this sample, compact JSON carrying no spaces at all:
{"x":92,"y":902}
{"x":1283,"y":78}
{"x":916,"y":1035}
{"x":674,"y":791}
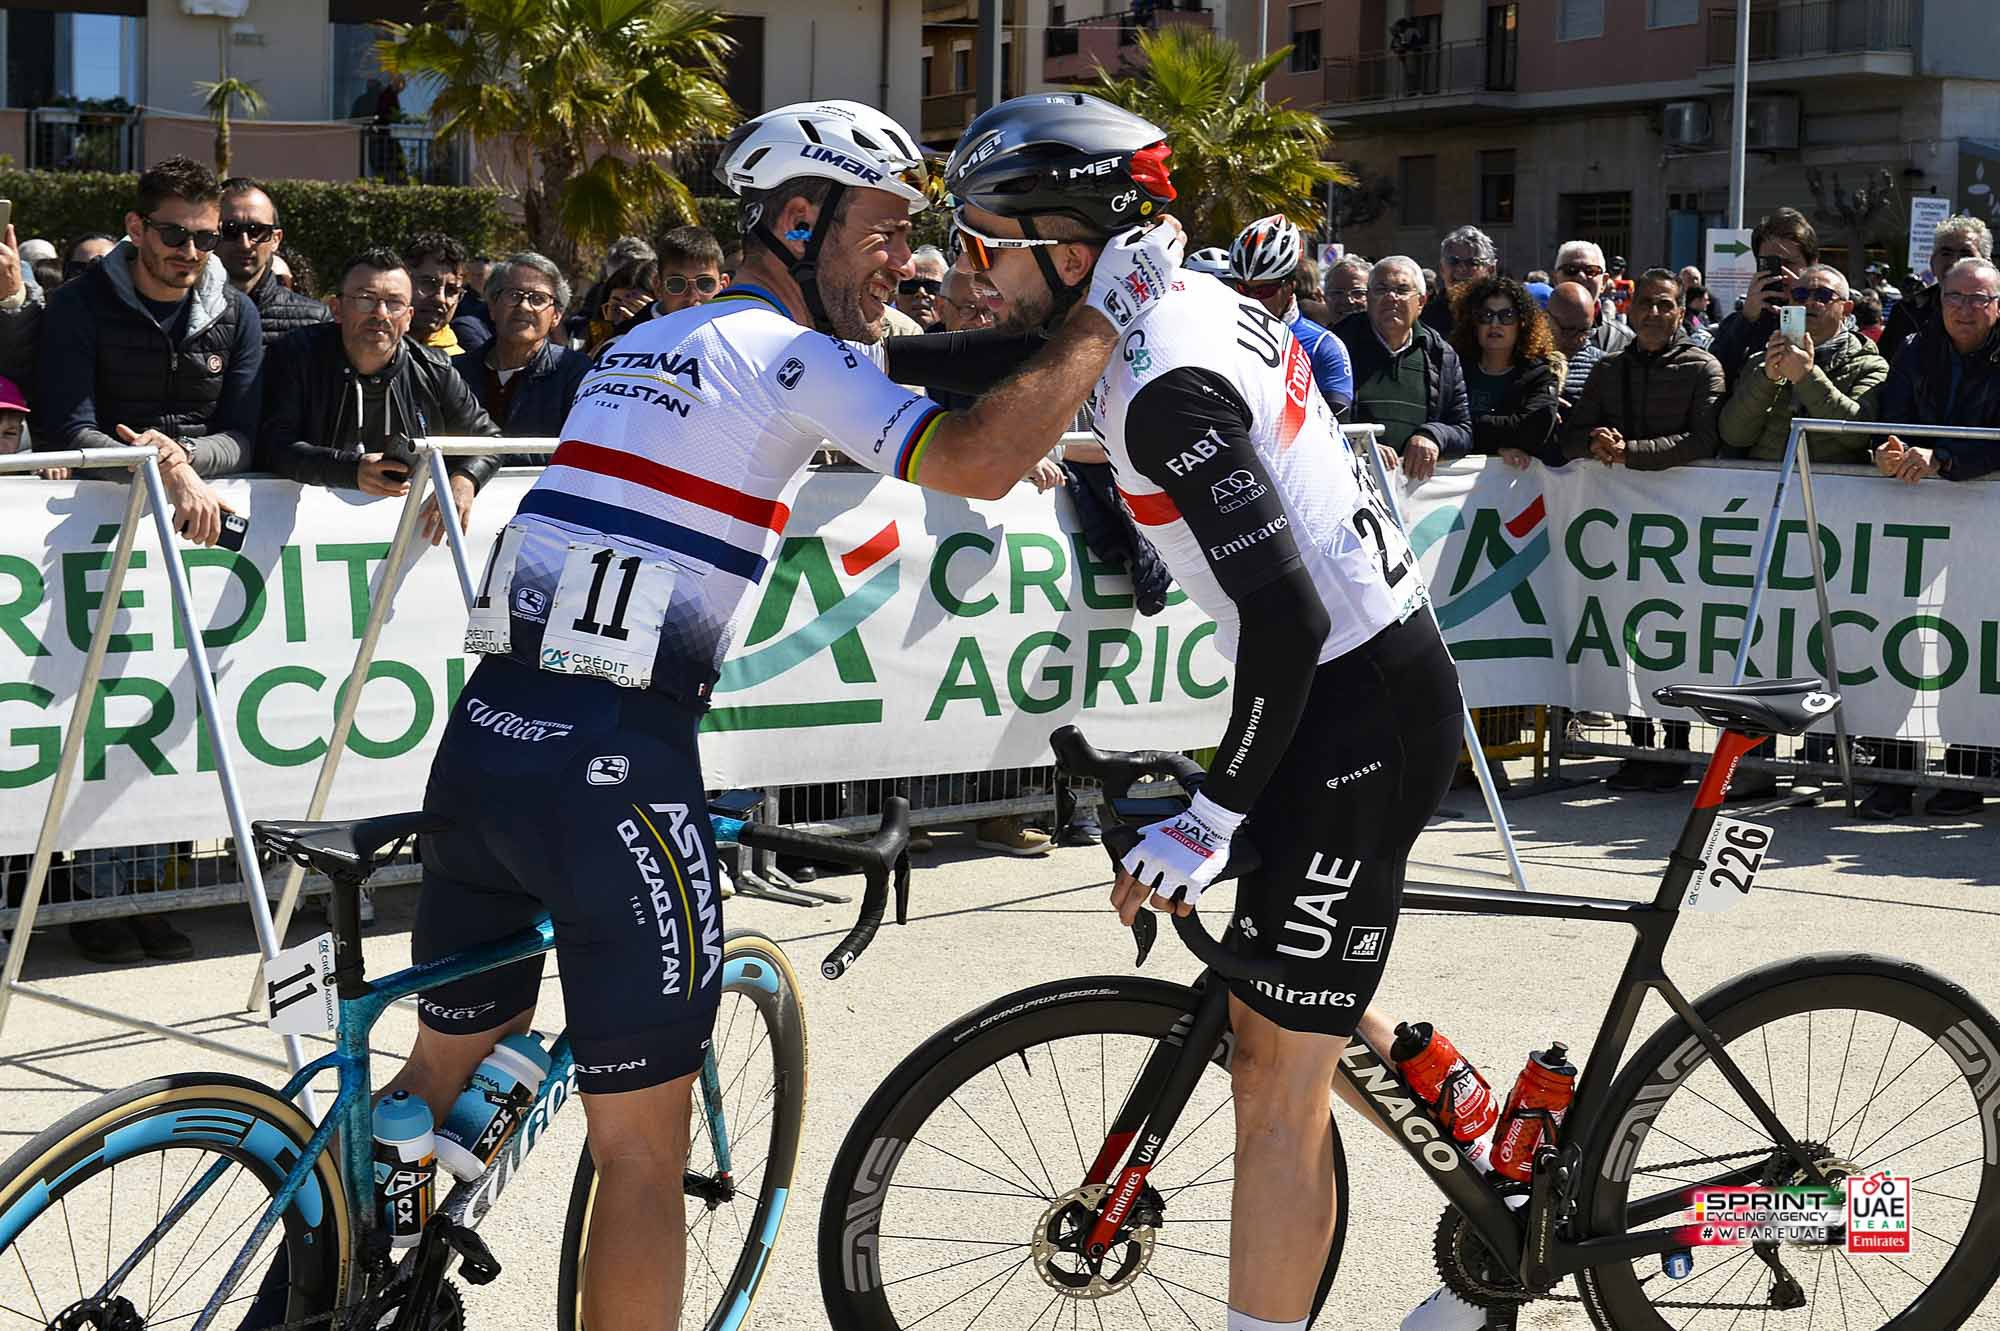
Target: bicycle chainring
{"x":1468,"y":1268}
{"x":1065,"y":1227}
{"x":447,"y":1314}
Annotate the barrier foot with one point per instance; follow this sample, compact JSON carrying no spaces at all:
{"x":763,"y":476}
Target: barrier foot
{"x":778,"y":886}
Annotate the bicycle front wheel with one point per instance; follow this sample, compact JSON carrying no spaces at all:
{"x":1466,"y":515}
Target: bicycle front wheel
{"x":758,"y":1052}
{"x":950,"y":1203}
{"x":1872,"y":1065}
{"x":110,"y":1217}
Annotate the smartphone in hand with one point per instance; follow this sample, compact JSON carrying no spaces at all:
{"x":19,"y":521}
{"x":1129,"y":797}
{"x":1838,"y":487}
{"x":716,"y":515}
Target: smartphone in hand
{"x":234,"y":528}
{"x":1792,"y":323}
{"x":401,"y":450}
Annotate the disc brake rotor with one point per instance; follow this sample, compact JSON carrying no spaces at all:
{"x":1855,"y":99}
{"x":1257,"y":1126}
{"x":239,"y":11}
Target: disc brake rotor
{"x":1059,"y":1239}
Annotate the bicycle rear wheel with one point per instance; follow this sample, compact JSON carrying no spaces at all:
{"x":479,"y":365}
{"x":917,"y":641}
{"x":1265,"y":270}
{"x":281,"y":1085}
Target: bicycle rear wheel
{"x":947,"y":1188}
{"x":78,"y":1203}
{"x":1874,"y":1065}
{"x":759,"y":1051}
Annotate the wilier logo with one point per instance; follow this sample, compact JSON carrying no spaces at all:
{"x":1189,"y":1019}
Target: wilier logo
{"x":1235,"y":490}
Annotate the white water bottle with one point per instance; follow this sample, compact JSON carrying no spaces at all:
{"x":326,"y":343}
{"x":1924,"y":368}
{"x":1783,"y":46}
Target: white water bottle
{"x":405,"y":1166}
{"x":491,"y":1106}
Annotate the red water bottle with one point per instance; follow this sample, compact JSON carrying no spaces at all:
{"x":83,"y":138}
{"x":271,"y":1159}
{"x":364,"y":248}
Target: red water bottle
{"x":1540,"y":1097}
{"x":1451,"y":1086}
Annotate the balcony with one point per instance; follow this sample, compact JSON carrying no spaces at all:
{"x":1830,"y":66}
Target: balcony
{"x":410,"y":155}
{"x":1072,"y":52}
{"x":946,"y":115}
{"x":66,"y":139}
{"x":1430,"y":84}
{"x":1817,"y":39}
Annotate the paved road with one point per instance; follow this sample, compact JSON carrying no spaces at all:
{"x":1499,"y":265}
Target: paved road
{"x":984,"y":926}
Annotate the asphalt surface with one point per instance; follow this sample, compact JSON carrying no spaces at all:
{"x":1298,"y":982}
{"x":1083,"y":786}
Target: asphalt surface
{"x":983,"y":925}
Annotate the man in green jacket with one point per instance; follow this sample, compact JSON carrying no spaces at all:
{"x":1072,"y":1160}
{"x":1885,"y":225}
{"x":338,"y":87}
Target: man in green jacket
{"x":1833,"y":375}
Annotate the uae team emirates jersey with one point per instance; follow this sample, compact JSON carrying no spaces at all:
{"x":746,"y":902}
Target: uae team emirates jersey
{"x":666,"y":499}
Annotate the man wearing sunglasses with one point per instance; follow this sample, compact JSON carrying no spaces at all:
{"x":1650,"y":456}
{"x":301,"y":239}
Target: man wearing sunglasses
{"x":1582,"y":262}
{"x":689,"y":269}
{"x":1832,"y":375}
{"x":917,"y":294}
{"x":249,"y":245}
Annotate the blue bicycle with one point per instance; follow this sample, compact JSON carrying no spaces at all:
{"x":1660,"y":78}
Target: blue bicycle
{"x":205,"y":1199}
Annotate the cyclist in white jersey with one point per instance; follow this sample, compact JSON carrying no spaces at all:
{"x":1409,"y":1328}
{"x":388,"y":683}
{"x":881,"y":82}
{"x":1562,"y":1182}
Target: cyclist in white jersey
{"x":1344,"y":729}
{"x":603,"y":615}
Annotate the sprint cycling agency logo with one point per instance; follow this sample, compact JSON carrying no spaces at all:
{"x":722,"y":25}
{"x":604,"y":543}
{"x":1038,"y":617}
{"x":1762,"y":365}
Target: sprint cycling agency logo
{"x":1493,"y":562}
{"x":816,"y":600}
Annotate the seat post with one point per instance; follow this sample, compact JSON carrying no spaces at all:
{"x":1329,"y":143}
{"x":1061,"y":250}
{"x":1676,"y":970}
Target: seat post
{"x":1686,"y":855}
{"x":344,"y":910}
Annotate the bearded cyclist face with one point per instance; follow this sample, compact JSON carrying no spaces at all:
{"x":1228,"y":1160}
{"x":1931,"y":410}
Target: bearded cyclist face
{"x":864,"y":257}
{"x":1019,"y":294}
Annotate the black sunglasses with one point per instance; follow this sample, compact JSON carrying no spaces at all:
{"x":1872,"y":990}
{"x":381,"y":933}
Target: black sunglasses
{"x":254,"y":232}
{"x":677,"y":285}
{"x":1824,"y":295}
{"x":910,"y":286}
{"x":175,"y":236}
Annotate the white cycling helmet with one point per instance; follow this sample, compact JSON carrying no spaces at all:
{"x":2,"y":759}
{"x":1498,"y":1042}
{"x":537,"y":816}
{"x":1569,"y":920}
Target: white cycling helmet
{"x":1265,"y":251}
{"x":854,"y":146}
{"x":1214,"y":261}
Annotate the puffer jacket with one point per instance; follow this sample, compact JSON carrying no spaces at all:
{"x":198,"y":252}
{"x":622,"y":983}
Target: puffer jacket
{"x":1920,"y":389}
{"x":1663,"y":403}
{"x":1847,"y":376}
{"x":284,"y":310}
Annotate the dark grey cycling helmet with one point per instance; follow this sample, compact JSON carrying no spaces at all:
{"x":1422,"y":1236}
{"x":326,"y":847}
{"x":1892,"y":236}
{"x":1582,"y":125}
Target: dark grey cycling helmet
{"x":1062,"y":153}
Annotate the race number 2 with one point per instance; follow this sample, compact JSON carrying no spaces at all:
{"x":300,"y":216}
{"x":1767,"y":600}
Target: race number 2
{"x":1730,"y":859}
{"x":607,"y":615}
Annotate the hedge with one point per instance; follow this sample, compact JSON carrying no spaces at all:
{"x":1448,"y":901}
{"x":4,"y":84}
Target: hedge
{"x":325,"y":220}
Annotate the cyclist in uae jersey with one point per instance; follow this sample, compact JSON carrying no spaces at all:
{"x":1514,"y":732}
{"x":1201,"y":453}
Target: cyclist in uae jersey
{"x":568,"y":771}
{"x":1261,"y":263}
{"x":1344,"y":727}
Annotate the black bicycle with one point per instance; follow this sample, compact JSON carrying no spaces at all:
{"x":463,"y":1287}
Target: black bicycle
{"x":1071,"y":1144}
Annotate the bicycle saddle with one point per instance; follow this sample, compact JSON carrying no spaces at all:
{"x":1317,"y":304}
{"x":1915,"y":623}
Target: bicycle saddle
{"x":341,"y":849}
{"x":1777,"y":706}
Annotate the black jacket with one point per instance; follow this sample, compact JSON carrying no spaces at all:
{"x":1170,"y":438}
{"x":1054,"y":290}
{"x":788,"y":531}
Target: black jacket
{"x":1919,"y":390}
{"x":312,"y":408}
{"x":542,"y":392}
{"x":1527,"y":420}
{"x":284,"y":310}
{"x":1447,"y":412}
{"x":1738,"y":339}
{"x":1914,"y":313}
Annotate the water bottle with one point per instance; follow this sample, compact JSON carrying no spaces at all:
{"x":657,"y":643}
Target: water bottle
{"x":405,"y":1166}
{"x":1460,"y":1098}
{"x":491,"y":1106}
{"x":1540,"y":1097}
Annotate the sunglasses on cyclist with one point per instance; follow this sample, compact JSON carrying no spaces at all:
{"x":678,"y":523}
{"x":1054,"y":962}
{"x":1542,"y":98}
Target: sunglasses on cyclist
{"x":983,"y":251}
{"x":677,"y":285}
{"x":174,"y":236}
{"x":1824,"y":295}
{"x":910,"y":286}
{"x":1259,"y":290}
{"x":254,"y":232}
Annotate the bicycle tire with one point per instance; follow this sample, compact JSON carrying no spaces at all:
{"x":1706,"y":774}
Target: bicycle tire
{"x":754,"y":968}
{"x":1753,"y":1004}
{"x":864,"y":1172}
{"x":206,"y":1114}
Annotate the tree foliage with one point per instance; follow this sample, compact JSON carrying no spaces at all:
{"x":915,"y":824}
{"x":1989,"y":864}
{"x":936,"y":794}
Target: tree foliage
{"x":219,"y":99}
{"x":1236,"y":157}
{"x":591,"y":96}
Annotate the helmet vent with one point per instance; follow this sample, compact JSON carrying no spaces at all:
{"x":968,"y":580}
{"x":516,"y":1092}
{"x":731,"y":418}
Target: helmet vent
{"x":806,"y":128}
{"x":750,"y":162}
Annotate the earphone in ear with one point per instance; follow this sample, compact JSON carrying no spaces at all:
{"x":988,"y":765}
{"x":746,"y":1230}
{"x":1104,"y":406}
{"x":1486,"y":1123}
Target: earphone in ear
{"x":799,"y":233}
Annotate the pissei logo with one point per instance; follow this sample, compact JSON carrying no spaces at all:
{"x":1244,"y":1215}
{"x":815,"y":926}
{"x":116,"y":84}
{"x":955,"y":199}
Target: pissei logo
{"x":1495,"y":561}
{"x":845,"y":589}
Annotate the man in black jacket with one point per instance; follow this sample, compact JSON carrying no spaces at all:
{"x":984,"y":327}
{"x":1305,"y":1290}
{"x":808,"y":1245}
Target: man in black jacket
{"x":1956,"y":238}
{"x":1406,"y":378}
{"x":336,"y":393}
{"x":523,"y":379}
{"x":250,"y":239}
{"x":1786,"y":245}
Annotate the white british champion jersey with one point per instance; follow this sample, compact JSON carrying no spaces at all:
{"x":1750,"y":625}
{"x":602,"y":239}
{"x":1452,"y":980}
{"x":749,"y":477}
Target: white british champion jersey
{"x":1356,"y":556}
{"x":667,"y":497}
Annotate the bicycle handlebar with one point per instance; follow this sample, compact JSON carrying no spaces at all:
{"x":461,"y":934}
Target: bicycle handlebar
{"x":880,"y":858}
{"x":1118,"y":772}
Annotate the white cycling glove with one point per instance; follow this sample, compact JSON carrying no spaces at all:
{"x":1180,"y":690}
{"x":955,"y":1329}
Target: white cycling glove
{"x":1184,"y":853}
{"x":1134,"y":271}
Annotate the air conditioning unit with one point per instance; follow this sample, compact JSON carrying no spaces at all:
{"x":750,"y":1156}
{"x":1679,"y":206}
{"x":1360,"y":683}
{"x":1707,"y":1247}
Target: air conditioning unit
{"x":1772,"y":123}
{"x":1687,"y":125}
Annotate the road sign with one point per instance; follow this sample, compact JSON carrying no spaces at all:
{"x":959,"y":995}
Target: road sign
{"x":1926,"y":211}
{"x":1329,"y":255}
{"x":1728,"y":267}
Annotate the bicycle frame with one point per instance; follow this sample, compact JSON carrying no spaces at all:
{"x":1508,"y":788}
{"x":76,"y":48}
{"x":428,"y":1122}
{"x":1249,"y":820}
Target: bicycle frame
{"x":1161,"y":1092}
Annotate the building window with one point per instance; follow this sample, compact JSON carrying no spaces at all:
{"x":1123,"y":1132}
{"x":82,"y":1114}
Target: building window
{"x":1496,"y":186}
{"x":1417,"y":190}
{"x":926,"y":85}
{"x":1672,"y":13}
{"x":1578,"y":19}
{"x":357,"y":79}
{"x":961,"y":69}
{"x":1305,"y":39}
{"x":86,"y":57}
{"x":1503,"y":46}
{"x":1605,"y":220}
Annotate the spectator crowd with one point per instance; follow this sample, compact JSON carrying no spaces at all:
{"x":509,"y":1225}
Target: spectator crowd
{"x":195,"y":334}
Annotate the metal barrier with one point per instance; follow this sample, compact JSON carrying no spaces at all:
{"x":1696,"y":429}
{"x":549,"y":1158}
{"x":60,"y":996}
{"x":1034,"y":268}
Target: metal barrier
{"x":1564,"y":735}
{"x":144,"y":463}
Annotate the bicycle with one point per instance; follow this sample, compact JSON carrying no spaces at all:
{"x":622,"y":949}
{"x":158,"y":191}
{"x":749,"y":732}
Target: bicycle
{"x":316,"y":1252}
{"x":942,"y":1194}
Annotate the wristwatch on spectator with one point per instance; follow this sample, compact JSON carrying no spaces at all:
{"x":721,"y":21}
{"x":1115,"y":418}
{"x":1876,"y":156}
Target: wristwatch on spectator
{"x":187,"y":449}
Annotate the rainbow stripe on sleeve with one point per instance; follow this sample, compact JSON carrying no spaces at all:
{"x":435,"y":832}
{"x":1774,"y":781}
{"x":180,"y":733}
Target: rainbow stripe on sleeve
{"x":911,"y":455}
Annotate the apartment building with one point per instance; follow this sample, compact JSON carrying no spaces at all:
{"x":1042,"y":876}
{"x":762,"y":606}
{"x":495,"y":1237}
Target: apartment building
{"x":108,"y":84}
{"x":1609,"y":120}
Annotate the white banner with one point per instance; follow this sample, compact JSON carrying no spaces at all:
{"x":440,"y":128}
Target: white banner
{"x":903,"y":633}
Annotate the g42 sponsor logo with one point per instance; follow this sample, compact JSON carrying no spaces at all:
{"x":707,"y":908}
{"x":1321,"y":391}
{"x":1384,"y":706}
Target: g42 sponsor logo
{"x":1137,"y":356}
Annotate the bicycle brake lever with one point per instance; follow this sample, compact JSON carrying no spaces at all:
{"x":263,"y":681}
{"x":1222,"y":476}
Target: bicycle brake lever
{"x":903,"y":888}
{"x":1145,"y":929}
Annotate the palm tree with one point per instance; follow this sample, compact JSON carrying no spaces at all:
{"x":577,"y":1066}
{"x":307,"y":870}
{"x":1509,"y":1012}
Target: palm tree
{"x":560,"y":83}
{"x":1236,"y":157}
{"x":218,"y":98}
